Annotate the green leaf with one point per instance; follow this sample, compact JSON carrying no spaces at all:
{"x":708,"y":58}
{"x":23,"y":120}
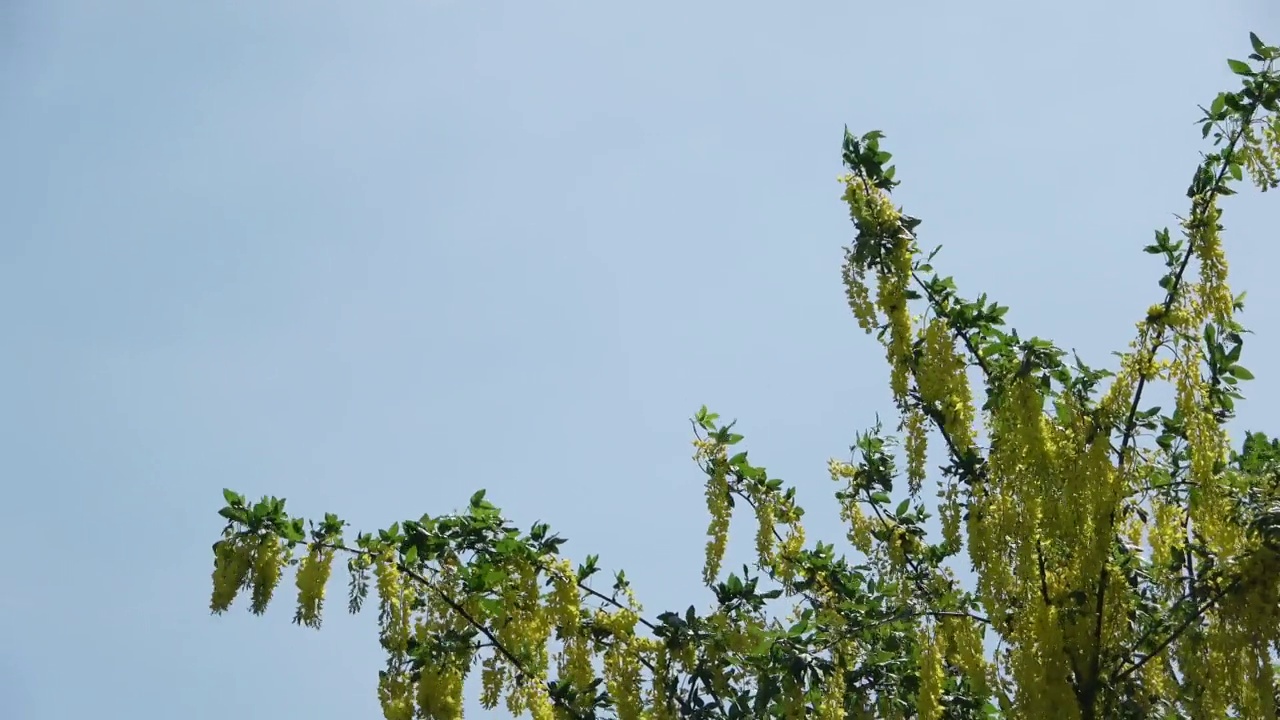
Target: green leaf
{"x":1258,"y":46}
{"x":293,"y":531}
{"x":903,"y":507}
{"x":491,"y":606}
{"x":1241,"y":372}
{"x":1236,"y":172}
{"x":1219,"y":104}
{"x":734,"y":584}
{"x":232,"y":497}
{"x":1240,"y":67}
{"x":880,"y":497}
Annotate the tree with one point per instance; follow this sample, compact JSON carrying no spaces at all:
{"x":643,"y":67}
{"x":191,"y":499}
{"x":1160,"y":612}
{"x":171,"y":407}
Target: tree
{"x":1127,"y":559}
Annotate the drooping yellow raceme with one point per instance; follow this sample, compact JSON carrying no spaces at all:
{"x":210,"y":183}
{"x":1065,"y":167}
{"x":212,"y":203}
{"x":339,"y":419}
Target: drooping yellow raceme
{"x":1165,"y":535}
{"x":962,"y":640}
{"x":439,"y":687}
{"x":941,"y":377}
{"x":892,"y":301}
{"x":786,"y":565}
{"x":622,"y":667}
{"x":777,"y":552}
{"x":916,"y":446}
{"x":395,"y":694}
{"x":932,"y":650}
{"x":765,"y":528}
{"x":493,"y":677}
{"x":564,"y":602}
{"x":858,"y":296}
{"x":268,"y":558}
{"x":525,"y":631}
{"x":1210,"y":505}
{"x":1260,"y":152}
{"x":1040,"y":667}
{"x":396,"y":625}
{"x":574,"y":659}
{"x":395,"y":599}
{"x":439,"y":693}
{"x":311,"y":581}
{"x":831,"y":704}
{"x":859,"y":534}
{"x":717,"y":496}
{"x":574,"y":663}
{"x":232,"y":563}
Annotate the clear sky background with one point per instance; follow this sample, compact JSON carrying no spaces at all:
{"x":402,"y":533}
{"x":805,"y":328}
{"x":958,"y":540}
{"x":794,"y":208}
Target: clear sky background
{"x":374,"y":256}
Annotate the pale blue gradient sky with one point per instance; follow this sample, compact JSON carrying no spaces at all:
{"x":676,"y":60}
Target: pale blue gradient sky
{"x":373,"y":256}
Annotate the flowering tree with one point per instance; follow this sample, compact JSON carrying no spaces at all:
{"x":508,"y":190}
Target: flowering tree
{"x":1126,"y":558}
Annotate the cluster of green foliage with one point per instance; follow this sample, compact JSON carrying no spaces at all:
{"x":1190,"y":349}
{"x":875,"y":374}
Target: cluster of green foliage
{"x":1126,"y":558}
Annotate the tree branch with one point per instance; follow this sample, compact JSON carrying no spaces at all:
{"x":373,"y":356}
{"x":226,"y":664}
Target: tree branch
{"x":1130,"y":426}
{"x":1120,"y":675}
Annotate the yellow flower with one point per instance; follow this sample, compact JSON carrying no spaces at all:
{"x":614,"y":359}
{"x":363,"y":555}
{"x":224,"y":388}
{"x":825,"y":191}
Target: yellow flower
{"x":764,"y":529}
{"x":232,"y":562}
{"x":268,"y":558}
{"x":439,"y":694}
{"x":931,"y":675}
{"x":492,"y":678}
{"x":312,"y":577}
{"x":565,"y":602}
{"x":859,"y":297}
{"x":917,"y":445}
{"x":395,"y":696}
{"x":394,"y":615}
{"x":717,"y":496}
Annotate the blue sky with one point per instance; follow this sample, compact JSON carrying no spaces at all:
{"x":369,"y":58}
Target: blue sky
{"x":373,"y":256}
